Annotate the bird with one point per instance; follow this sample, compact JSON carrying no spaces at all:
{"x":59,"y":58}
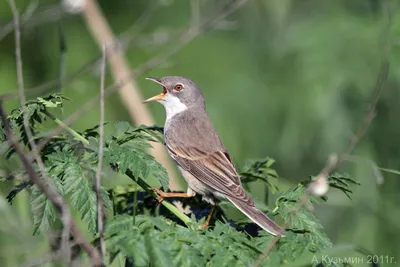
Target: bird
{"x":197,"y":149}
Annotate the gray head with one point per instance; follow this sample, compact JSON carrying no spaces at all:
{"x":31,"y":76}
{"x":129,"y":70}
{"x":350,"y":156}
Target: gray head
{"x":179,"y":93}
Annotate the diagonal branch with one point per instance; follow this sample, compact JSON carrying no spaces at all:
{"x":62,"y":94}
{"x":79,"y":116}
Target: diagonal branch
{"x":27,"y":128}
{"x":55,"y":198}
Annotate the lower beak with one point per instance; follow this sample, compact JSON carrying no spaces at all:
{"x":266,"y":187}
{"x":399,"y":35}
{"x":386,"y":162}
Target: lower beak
{"x":155,"y":98}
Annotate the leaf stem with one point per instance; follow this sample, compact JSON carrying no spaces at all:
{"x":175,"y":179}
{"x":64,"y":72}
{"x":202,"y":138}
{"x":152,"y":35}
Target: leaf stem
{"x":65,"y":127}
{"x":166,"y":204}
{"x":146,"y":187}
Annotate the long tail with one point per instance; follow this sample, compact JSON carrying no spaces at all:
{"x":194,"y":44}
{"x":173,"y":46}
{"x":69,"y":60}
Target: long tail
{"x":258,"y":217}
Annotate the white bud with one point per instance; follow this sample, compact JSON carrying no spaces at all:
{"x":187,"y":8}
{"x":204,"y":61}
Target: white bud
{"x":319,"y":186}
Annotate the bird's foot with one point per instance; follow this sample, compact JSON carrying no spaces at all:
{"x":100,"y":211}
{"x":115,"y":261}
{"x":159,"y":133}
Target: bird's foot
{"x":204,"y":225}
{"x":161,"y":194}
{"x":207,"y":222}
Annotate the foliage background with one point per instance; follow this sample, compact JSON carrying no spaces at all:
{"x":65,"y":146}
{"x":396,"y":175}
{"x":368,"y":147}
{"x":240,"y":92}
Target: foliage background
{"x":281,"y":78}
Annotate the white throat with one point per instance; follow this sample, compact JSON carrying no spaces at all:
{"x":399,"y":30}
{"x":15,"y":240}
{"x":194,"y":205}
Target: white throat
{"x":172,"y":105}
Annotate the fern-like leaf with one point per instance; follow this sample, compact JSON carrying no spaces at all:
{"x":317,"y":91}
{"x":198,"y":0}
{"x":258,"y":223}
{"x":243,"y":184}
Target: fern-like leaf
{"x":125,"y":151}
{"x":260,"y":169}
{"x":43,"y":211}
{"x":77,"y":179}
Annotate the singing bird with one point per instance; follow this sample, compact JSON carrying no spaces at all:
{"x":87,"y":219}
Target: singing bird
{"x":199,"y":153}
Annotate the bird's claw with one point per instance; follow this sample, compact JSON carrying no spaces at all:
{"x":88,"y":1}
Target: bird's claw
{"x":160,"y":194}
{"x":204,"y":225}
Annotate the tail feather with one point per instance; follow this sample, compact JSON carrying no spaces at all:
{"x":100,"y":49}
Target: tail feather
{"x":258,"y":217}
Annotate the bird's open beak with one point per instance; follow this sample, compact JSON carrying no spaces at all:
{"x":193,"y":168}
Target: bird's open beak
{"x":159,"y":96}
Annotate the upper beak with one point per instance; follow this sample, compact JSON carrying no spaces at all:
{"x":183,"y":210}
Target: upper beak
{"x":159,"y":96}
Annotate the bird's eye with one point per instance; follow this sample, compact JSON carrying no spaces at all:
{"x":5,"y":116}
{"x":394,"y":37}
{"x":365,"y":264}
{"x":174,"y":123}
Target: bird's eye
{"x":178,"y":87}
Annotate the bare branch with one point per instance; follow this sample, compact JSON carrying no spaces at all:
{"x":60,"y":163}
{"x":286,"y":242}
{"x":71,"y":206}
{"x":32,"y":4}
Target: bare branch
{"x":100,"y":225}
{"x":55,"y":198}
{"x":20,"y":79}
{"x":6,"y":29}
{"x":21,"y":94}
{"x":34,"y":16}
{"x":368,"y":118}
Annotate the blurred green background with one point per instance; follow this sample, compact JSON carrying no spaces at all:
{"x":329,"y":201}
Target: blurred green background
{"x":281,"y":78}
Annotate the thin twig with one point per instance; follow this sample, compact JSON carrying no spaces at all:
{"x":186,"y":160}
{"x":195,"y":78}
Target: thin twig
{"x":28,"y":131}
{"x":100,"y":225}
{"x":6,"y":29}
{"x":54,"y":197}
{"x":20,"y":80}
{"x":375,"y":96}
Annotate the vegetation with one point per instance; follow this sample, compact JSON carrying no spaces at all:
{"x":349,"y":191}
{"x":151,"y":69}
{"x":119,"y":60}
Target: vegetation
{"x":311,"y":84}
{"x":143,"y":238}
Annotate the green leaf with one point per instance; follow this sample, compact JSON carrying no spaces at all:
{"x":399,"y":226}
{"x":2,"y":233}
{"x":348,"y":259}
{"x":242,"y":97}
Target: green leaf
{"x":308,"y":236}
{"x":121,"y":128}
{"x":43,"y":211}
{"x":78,"y":174}
{"x":159,"y":255}
{"x":339,"y":181}
{"x":83,"y":199}
{"x":260,"y":169}
{"x":52,"y":101}
{"x":124,"y":150}
{"x":160,"y":173}
{"x":123,"y":236}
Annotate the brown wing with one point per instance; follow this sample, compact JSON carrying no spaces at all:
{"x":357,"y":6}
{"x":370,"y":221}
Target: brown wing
{"x":214,"y":169}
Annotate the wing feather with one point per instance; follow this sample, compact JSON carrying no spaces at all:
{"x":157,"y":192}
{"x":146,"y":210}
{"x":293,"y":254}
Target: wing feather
{"x":214,"y":169}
